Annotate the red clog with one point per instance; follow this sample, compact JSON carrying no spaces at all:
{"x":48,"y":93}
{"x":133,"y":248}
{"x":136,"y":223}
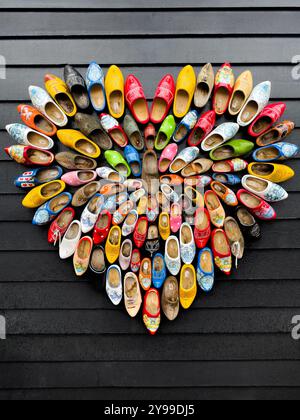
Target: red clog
{"x":136,"y":260}
{"x":163,"y":99}
{"x":136,"y":100}
{"x":202,"y":230}
{"x":114,"y":129}
{"x":140,"y":232}
{"x":37,"y":121}
{"x":269,"y":116}
{"x":224,"y":86}
{"x":151,"y":311}
{"x":221,"y":250}
{"x":257,"y":206}
{"x":102,"y":227}
{"x":60,"y":225}
{"x":203,"y":128}
{"x":30,"y":156}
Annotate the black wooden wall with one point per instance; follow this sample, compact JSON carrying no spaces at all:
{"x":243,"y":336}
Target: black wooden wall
{"x":64,"y":339}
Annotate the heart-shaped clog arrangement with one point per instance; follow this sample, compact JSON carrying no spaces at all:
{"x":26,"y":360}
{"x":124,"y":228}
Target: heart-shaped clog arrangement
{"x":167,"y":190}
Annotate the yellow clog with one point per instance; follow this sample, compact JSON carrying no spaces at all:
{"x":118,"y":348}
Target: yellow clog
{"x":164,"y":226}
{"x":113,"y":244}
{"x":40,"y":195}
{"x":188,"y":286}
{"x":242,"y":90}
{"x":185,"y":89}
{"x":114,"y":87}
{"x":271,"y":171}
{"x":59,"y":91}
{"x":78,"y":142}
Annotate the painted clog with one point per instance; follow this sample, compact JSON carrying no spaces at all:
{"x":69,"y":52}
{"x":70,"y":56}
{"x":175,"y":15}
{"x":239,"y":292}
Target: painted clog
{"x":82,"y":256}
{"x":230,"y":166}
{"x":73,"y":162}
{"x":224,"y":85}
{"x":241,"y":92}
{"x":188,"y":286}
{"x":110,"y":175}
{"x":85,"y":193}
{"x":235,"y":238}
{"x":219,"y":136}
{"x":114,"y":286}
{"x":151,"y":311}
{"x":77,"y":87}
{"x":221,"y":250}
{"x":30,"y":156}
{"x":167,"y":157}
{"x":132,"y":294}
{"x":276,"y":152}
{"x":206,"y":270}
{"x":116,"y":161}
{"x":225,"y":193}
{"x":232,"y":149}
{"x":120,"y":215}
{"x":114,"y":129}
{"x":185,"y":89}
{"x":215,"y":209}
{"x":165,"y":133}
{"x":50,"y":210}
{"x":145,"y":276}
{"x":136,"y":100}
{"x":159,"y":272}
{"x":248,"y":224}
{"x":172,"y":255}
{"x":198,"y":167}
{"x":202,"y":230}
{"x":126,"y":254}
{"x":164,"y":226}
{"x":187,"y":244}
{"x":202,"y":129}
{"x":102,"y":227}
{"x":170,"y":302}
{"x":256,"y":102}
{"x":227,"y":179}
{"x":264,"y":189}
{"x":134,"y":161}
{"x":198,"y":181}
{"x":152,"y":244}
{"x":97,"y":261}
{"x":172,"y":180}
{"x":60,"y":225}
{"x":95,"y":86}
{"x":114,"y":87}
{"x":133,"y":133}
{"x":78,"y":142}
{"x":257,"y":206}
{"x":205,"y":86}
{"x":269,"y":116}
{"x":137,"y":195}
{"x":70,"y":241}
{"x":130,"y":223}
{"x":43,"y":193}
{"x":79,"y":178}
{"x":163,"y":99}
{"x":36,"y":177}
{"x":91,"y":127}
{"x":184,"y":158}
{"x":136,"y":260}
{"x":276,"y":134}
{"x":140,"y":232}
{"x":185,"y":126}
{"x":175,"y":217}
{"x":170,"y":194}
{"x":150,"y":136}
{"x":43,"y":102}
{"x":91,"y":213}
{"x":271,"y":171}
{"x":59,"y":91}
{"x":113,"y":244}
{"x":152,"y":211}
{"x":36,"y":120}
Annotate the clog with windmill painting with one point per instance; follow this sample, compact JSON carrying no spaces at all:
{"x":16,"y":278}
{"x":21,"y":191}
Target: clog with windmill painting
{"x":95,"y":86}
{"x":224,"y":85}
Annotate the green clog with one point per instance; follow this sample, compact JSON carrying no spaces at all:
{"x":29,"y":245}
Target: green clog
{"x":232,"y":149}
{"x":116,"y":161}
{"x":165,"y":133}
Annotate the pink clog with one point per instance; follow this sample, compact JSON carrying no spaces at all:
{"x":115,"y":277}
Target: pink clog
{"x":79,"y":178}
{"x":176,"y":217}
{"x":167,"y":157}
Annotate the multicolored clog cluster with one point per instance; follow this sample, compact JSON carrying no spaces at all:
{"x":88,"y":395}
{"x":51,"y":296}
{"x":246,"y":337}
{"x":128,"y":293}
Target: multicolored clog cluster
{"x":169,"y":191}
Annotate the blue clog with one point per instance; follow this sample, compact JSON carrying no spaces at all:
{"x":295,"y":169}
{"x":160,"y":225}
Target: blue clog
{"x":275,"y":152}
{"x":95,"y":85}
{"x":50,"y":210}
{"x":133,"y":158}
{"x":159,"y":271}
{"x":35,"y":177}
{"x":185,"y":126}
{"x":205,"y":270}
{"x":227,"y":179}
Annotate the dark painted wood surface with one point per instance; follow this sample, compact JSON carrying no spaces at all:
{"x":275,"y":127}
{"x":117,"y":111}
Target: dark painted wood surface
{"x":65,"y":340}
